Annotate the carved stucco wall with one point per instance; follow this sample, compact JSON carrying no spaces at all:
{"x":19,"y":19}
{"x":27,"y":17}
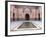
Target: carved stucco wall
{"x":21,"y":11}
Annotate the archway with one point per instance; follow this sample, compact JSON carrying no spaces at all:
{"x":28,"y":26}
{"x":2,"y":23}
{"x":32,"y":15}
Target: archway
{"x":13,"y":16}
{"x":27,"y":17}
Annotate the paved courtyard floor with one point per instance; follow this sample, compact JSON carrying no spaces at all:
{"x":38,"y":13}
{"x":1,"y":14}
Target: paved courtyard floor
{"x":18,"y":25}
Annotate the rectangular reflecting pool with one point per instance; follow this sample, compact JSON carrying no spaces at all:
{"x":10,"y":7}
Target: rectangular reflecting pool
{"x":27,"y":25}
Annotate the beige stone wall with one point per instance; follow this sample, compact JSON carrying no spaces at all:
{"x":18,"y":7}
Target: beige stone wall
{"x":20,"y":12}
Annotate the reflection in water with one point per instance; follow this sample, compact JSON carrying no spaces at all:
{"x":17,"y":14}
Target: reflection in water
{"x":27,"y":25}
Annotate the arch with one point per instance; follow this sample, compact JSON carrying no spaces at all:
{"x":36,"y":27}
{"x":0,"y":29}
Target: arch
{"x":27,"y":17}
{"x":38,"y":16}
{"x":13,"y":16}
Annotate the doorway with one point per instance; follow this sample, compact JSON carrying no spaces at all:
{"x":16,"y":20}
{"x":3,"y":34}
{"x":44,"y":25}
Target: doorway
{"x":27,"y":16}
{"x":13,"y":16}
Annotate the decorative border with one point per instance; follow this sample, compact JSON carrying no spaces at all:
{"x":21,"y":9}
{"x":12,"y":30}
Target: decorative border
{"x":6,"y":18}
